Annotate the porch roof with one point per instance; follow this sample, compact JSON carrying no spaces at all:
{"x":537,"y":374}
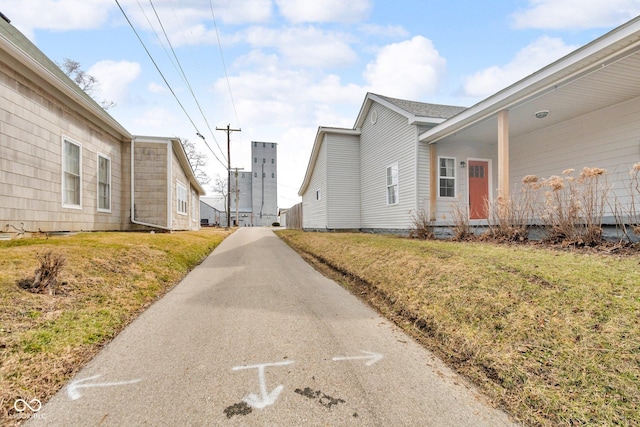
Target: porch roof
{"x":602,"y":73}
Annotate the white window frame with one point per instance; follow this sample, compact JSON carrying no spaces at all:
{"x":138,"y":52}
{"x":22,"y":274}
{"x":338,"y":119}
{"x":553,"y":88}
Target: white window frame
{"x":78,"y":205}
{"x":392,"y":186}
{"x":182,"y":198}
{"x":454,"y":178}
{"x":108,"y":183}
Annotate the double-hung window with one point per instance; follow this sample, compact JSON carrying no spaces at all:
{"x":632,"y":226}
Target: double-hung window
{"x":104,"y":183}
{"x":392,"y":184}
{"x":447,"y":177}
{"x":71,"y":174}
{"x":181,"y":195}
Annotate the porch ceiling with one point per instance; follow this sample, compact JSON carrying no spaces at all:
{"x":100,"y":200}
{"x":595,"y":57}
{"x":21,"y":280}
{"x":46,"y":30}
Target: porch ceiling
{"x":598,"y":89}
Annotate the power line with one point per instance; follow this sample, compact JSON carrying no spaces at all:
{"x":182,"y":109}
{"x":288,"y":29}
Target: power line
{"x":167,"y":83}
{"x":224,"y":66}
{"x":184,"y":76}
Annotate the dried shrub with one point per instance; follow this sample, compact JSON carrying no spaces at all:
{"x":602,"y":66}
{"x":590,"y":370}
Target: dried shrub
{"x":461,"y":228}
{"x":628,"y":216}
{"x":510,"y":217}
{"x":574,"y":207}
{"x":421,"y":225}
{"x":45,"y":280}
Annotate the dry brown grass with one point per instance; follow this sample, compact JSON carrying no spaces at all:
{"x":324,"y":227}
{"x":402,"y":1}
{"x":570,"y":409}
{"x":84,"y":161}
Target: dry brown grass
{"x":551,"y":336}
{"x":108,"y":279}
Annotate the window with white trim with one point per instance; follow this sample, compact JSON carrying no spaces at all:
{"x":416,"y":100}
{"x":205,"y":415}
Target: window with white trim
{"x":447,"y":177}
{"x":104,"y":183}
{"x":71,"y":174}
{"x":392,"y":184}
{"x":181,"y":195}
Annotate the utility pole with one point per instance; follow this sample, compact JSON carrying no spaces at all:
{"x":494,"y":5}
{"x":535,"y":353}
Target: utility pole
{"x":228,"y":130}
{"x":237,"y":191}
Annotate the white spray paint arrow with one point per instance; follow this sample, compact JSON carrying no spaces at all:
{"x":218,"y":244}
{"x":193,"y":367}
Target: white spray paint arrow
{"x":73,"y":389}
{"x":265,"y":399}
{"x":372,"y":357}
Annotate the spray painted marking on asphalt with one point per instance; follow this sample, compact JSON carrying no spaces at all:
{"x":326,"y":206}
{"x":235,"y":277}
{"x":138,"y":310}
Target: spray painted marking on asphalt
{"x":73,"y":389}
{"x":266,"y":398}
{"x":371,"y":358}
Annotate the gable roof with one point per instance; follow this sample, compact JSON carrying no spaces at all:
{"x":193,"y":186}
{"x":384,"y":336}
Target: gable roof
{"x":602,"y":73}
{"x":34,"y":64}
{"x":317,"y":143}
{"x":417,"y":113}
{"x":423,"y":109}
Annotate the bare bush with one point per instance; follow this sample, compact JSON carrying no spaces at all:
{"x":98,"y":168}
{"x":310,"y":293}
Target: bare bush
{"x":45,"y":280}
{"x":574,"y":208}
{"x":461,"y":228}
{"x":421,"y":225}
{"x":507,"y":220}
{"x":628,"y":216}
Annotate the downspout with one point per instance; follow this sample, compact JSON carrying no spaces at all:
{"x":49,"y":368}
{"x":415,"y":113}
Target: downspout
{"x":133,"y":201}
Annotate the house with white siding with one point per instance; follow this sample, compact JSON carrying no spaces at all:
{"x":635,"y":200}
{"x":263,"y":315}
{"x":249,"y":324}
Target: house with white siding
{"x":67,"y":165}
{"x":580,"y":111}
{"x":371,"y":177}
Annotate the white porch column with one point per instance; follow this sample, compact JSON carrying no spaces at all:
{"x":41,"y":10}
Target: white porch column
{"x":433,"y":181}
{"x":503,"y":153}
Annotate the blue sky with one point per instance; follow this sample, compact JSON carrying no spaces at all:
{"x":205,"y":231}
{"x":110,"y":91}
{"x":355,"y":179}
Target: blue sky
{"x":294,"y":65}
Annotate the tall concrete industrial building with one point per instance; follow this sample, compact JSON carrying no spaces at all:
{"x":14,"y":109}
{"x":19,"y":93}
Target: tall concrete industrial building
{"x":254,"y":195}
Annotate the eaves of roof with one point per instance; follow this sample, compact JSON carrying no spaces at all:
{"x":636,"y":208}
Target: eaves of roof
{"x":618,"y":43}
{"x":18,"y":47}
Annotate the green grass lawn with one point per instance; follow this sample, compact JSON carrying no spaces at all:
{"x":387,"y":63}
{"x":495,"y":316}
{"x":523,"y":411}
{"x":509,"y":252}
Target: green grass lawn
{"x":551,"y":336}
{"x":108,"y":279}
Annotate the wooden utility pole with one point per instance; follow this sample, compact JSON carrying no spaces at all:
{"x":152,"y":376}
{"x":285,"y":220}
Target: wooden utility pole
{"x":237,"y":194}
{"x":228,"y":130}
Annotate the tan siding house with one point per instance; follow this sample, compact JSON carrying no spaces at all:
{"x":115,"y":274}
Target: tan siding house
{"x":65,"y":163}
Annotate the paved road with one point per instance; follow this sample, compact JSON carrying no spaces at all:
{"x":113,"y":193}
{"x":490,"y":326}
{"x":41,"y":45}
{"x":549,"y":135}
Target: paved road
{"x":255,"y":336}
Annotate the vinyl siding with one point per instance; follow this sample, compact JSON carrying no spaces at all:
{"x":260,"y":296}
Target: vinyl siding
{"x":343,"y":181}
{"x":608,"y":138}
{"x":462,"y":153}
{"x":390,"y":140}
{"x":32,"y":125}
{"x":315,"y":211}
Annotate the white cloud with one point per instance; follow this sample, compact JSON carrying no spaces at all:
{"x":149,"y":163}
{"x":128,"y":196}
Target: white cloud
{"x":155,"y":121}
{"x":305,"y":47}
{"x":274,"y":96}
{"x":238,"y":12}
{"x":537,"y":55}
{"x":29,"y":15}
{"x":190,"y":22}
{"x":410,"y":69}
{"x":572,"y":14}
{"x":114,"y":78}
{"x":156,"y":88}
{"x":393,"y":31}
{"x":298,"y":11}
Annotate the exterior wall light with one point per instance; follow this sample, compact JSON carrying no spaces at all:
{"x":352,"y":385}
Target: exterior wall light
{"x":542,"y":114}
{"x":463,"y":165}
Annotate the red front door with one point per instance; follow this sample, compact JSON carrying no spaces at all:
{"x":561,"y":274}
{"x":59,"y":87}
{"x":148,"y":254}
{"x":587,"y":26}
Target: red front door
{"x":478,"y":189}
